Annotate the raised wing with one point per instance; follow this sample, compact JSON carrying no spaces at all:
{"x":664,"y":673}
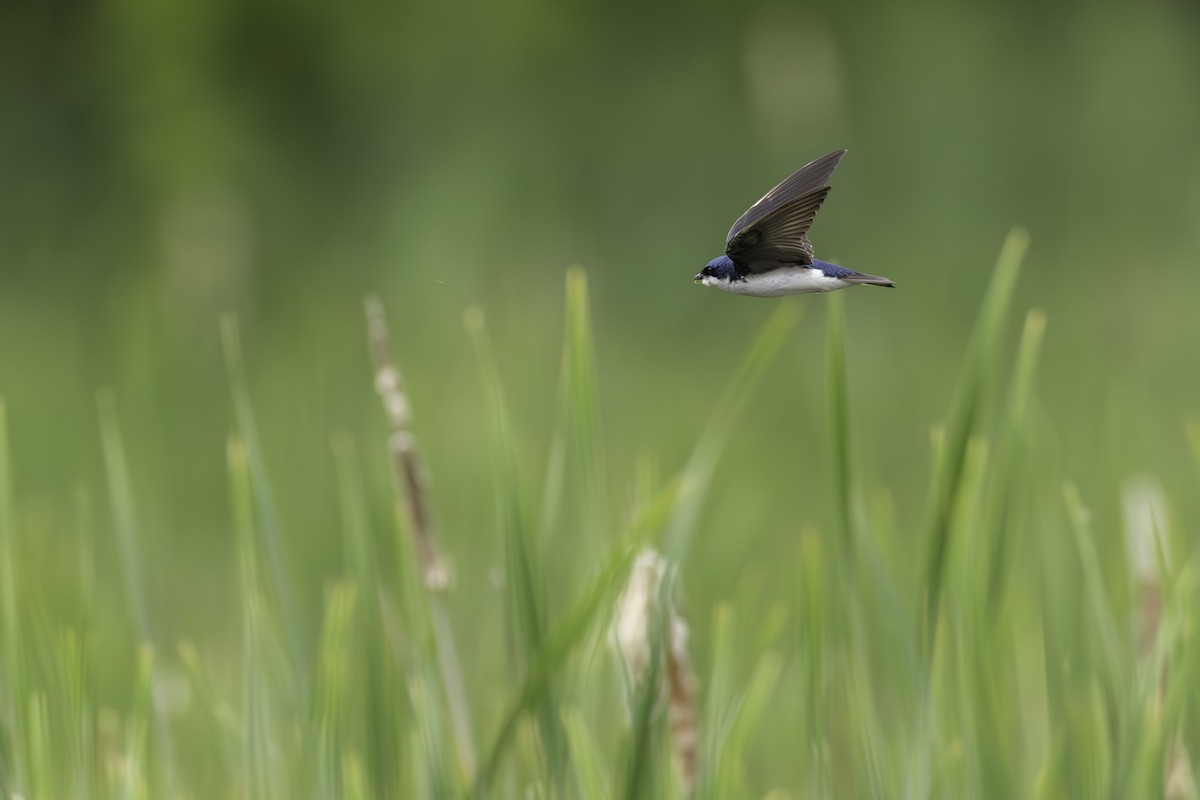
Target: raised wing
{"x":775,"y":228}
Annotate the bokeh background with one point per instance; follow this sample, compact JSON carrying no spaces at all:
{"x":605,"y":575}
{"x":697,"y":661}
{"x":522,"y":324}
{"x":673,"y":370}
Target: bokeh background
{"x":164,"y":164}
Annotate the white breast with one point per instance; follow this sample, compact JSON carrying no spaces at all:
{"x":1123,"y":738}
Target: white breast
{"x":787,"y":280}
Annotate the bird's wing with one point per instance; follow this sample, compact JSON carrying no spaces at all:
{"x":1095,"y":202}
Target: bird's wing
{"x":776,"y":227}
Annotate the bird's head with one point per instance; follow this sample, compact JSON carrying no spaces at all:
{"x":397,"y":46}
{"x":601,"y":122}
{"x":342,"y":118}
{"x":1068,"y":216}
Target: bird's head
{"x":716,"y":272}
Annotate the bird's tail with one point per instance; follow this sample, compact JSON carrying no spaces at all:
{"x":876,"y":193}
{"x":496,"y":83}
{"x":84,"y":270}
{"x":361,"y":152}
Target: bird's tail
{"x":870,"y":280}
{"x":850,"y":276}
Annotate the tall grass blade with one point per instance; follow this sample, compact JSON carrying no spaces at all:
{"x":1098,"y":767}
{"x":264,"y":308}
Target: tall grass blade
{"x":1113,"y":661}
{"x":568,"y":632}
{"x":130,"y":776}
{"x":580,"y":404}
{"x":335,"y":713}
{"x":586,"y":759}
{"x":128,"y":536}
{"x":74,"y":754}
{"x":13,"y":733}
{"x":267,"y":526}
{"x":256,"y":684}
{"x":745,"y":714}
{"x":374,"y":695}
{"x":222,"y":727}
{"x":702,"y":465}
{"x":1003,"y":495}
{"x":125,"y":520}
{"x":720,"y":707}
{"x":524,"y":583}
{"x":41,"y":772}
{"x":980,"y":370}
{"x":522,"y":570}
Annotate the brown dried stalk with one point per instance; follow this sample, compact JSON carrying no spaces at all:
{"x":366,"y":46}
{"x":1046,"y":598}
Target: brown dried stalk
{"x":412,"y":489}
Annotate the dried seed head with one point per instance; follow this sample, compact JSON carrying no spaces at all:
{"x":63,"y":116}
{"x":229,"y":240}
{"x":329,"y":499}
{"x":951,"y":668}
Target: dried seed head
{"x":636,"y":610}
{"x":639,"y":611}
{"x":1144,"y":508}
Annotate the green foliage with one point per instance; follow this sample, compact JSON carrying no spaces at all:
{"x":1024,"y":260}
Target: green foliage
{"x":1030,"y":680}
{"x":869,"y":616}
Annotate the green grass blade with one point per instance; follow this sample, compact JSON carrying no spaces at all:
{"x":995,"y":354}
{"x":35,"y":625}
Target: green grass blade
{"x":42,"y":773}
{"x":1113,"y":661}
{"x":408,"y":626}
{"x":980,"y":370}
{"x":747,"y":714}
{"x":334,"y":709}
{"x":580,"y":403}
{"x":125,"y":520}
{"x":523,"y":578}
{"x":76,"y":716}
{"x":569,"y":631}
{"x":702,"y":465}
{"x":524,"y":582}
{"x":719,"y":707}
{"x":130,"y":776}
{"x":128,"y":536}
{"x":13,"y":735}
{"x":256,"y":683}
{"x":374,"y":694}
{"x":267,"y":528}
{"x":586,"y":759}
{"x":222,"y":729}
{"x":1003,"y":492}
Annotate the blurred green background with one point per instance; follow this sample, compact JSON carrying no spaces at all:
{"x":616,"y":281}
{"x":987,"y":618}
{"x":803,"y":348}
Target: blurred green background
{"x":163,"y":164}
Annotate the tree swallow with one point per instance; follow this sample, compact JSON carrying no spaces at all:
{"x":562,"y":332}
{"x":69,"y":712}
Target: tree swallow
{"x":767,"y":252}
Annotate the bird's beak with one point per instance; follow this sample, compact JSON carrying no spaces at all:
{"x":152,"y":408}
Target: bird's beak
{"x":699,"y":278}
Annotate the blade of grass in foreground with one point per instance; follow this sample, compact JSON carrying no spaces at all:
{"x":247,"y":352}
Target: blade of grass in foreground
{"x":701,"y":467}
{"x":1179,"y":660}
{"x":524,"y":582}
{"x":77,"y":719}
{"x":222,"y":728}
{"x":148,"y":717}
{"x":374,"y":694}
{"x":336,"y":675}
{"x":121,"y":495}
{"x":521,"y":567}
{"x":982,"y":666}
{"x":586,"y":764}
{"x":980,"y":370}
{"x":256,"y":741}
{"x":12,"y":757}
{"x":1002,"y":489}
{"x":569,"y":631}
{"x":267,"y":529}
{"x":734,"y":711}
{"x":579,"y":405}
{"x":867,"y":596}
{"x":1182,"y":698}
{"x":130,"y":775}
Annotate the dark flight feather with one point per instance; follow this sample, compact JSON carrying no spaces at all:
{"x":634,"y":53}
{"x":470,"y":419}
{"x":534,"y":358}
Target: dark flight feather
{"x":775,"y":229}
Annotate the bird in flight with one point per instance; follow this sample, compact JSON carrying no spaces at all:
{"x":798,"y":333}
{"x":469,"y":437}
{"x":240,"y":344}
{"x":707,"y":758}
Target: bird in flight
{"x":767,"y":252}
